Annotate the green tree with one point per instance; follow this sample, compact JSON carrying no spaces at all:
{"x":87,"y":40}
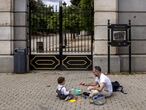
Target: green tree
{"x":76,"y":17}
{"x":71,"y":18}
{"x":75,"y":2}
{"x":87,"y":9}
{"x":36,"y":6}
{"x":39,"y":13}
{"x":53,"y":23}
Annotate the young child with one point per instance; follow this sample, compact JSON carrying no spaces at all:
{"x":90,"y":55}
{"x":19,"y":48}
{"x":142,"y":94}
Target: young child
{"x":61,"y":91}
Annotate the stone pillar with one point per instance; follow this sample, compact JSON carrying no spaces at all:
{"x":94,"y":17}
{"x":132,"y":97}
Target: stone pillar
{"x":104,"y":10}
{"x":6,"y":35}
{"x":20,"y":23}
{"x":13,"y":31}
{"x":134,"y":10}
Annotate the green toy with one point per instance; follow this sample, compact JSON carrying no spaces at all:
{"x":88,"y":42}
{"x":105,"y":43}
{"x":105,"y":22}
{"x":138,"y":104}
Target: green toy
{"x":76,"y":91}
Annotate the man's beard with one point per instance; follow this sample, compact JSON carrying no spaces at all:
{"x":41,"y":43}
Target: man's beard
{"x":96,"y":75}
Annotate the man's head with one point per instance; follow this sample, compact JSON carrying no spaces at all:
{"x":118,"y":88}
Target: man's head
{"x":61,"y":80}
{"x":97,"y":71}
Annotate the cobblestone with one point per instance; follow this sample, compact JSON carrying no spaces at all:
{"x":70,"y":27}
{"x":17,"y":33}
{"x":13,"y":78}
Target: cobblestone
{"x":36,"y":91}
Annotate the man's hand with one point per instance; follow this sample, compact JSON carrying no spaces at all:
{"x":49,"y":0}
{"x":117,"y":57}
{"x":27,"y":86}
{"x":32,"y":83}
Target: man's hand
{"x":83,"y":84}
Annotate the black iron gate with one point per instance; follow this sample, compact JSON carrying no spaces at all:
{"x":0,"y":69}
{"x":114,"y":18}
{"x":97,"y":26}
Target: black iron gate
{"x":61,"y":37}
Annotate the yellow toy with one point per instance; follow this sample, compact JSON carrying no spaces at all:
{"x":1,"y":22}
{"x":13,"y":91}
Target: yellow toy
{"x":72,"y":100}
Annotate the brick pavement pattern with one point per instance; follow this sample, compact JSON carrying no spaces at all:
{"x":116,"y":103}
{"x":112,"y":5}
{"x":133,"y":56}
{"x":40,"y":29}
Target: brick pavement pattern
{"x":36,"y":91}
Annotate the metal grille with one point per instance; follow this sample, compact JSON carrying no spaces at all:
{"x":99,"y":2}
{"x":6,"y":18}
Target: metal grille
{"x":64,"y":32}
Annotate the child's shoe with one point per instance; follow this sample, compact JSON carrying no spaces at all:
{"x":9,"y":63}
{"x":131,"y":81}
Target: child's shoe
{"x":91,"y":100}
{"x":67,"y":98}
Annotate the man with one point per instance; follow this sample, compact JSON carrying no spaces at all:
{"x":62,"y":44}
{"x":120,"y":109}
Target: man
{"x":102,"y":84}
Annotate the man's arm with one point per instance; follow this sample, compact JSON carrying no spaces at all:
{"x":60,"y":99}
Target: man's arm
{"x":90,"y":84}
{"x":99,"y":88}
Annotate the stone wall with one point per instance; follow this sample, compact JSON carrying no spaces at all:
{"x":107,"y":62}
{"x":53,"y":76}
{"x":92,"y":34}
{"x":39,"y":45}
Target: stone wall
{"x":13,"y":31}
{"x":104,"y":10}
{"x":21,"y":24}
{"x":120,"y":11}
{"x":135,"y":10}
{"x":6,"y":35}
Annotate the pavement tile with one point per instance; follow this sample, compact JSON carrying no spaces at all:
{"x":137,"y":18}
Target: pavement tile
{"x":36,"y":91}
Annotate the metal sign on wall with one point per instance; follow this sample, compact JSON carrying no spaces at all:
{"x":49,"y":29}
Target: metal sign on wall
{"x":119,"y":35}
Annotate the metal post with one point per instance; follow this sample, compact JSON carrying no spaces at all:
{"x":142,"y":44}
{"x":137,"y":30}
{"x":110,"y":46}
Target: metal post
{"x":129,"y":46}
{"x":29,"y":7}
{"x":64,"y":31}
{"x":60,"y":33}
{"x":108,"y":46}
{"x":92,"y":33}
{"x":29,"y":34}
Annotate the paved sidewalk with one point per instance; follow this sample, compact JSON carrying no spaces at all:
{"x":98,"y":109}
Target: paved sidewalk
{"x":36,"y":91}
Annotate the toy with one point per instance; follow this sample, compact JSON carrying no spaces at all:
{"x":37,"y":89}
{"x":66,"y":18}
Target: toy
{"x":72,"y":100}
{"x":99,"y":100}
{"x":76,"y":91}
